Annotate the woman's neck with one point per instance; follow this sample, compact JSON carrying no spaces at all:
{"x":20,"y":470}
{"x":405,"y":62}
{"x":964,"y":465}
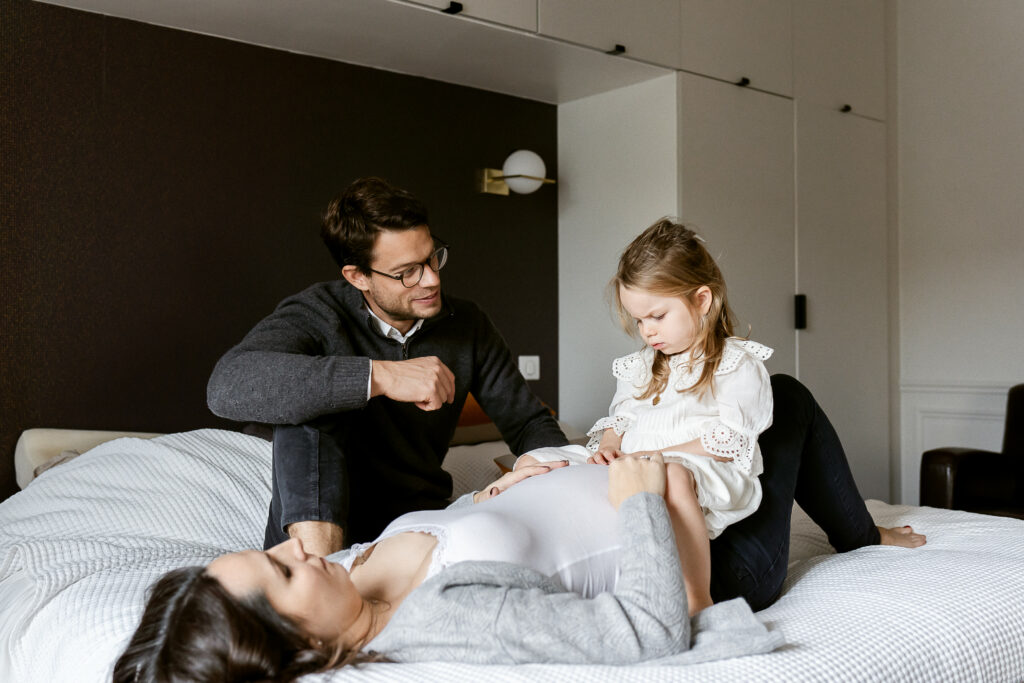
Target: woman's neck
{"x":392,"y":569}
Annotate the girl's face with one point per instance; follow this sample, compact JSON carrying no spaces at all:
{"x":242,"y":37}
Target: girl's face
{"x":318,"y":595}
{"x":667,"y":323}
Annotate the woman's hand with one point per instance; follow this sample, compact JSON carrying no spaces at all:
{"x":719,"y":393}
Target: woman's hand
{"x":514,"y":477}
{"x":629,"y":476}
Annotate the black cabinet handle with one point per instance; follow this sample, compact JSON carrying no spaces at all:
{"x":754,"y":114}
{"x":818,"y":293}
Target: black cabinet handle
{"x":453,"y":8}
{"x":846,"y":109}
{"x":617,"y":50}
{"x":800,"y":312}
{"x":743,"y":82}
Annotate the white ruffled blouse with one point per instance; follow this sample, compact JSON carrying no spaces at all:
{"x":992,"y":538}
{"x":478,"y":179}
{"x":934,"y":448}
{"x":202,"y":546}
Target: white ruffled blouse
{"x":727,"y":419}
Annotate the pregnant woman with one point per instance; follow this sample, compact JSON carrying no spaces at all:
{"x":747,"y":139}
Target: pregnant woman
{"x":576,"y":566}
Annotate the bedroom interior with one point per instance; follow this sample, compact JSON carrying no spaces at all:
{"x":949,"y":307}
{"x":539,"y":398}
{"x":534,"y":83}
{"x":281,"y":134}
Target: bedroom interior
{"x":161,"y":191}
{"x":122,"y":142}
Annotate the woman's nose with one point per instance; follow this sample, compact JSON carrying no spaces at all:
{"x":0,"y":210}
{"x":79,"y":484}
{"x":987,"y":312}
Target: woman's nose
{"x":297,"y":550}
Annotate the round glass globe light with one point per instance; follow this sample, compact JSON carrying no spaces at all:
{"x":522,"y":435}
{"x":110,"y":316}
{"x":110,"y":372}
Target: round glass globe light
{"x":523,"y":162}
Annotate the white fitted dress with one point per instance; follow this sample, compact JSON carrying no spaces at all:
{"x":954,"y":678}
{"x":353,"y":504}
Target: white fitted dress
{"x":727,"y":421}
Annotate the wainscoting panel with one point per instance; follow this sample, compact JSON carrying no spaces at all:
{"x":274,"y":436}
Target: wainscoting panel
{"x":936,"y":415}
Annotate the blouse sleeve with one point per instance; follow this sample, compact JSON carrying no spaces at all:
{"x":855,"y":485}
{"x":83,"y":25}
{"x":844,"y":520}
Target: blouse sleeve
{"x":621,"y":413}
{"x":744,"y":397}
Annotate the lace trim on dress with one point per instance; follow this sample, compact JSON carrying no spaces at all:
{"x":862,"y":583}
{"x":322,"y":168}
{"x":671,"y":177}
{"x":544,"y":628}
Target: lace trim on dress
{"x":620,"y":423}
{"x":734,"y":351}
{"x":719,"y":439}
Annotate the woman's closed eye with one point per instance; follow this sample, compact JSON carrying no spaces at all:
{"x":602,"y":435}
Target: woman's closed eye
{"x":286,"y":572}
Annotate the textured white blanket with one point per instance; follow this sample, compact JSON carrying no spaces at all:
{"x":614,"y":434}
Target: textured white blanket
{"x":81,"y":544}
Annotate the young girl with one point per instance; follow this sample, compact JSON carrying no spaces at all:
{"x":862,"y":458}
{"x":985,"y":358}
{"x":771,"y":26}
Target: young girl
{"x":694,"y":393}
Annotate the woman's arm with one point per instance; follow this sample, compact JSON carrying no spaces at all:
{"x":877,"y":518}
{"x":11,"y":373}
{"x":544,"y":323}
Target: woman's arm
{"x":499,"y":613}
{"x":505,"y":481}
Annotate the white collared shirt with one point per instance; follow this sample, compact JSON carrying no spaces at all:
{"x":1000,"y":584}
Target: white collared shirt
{"x":390,"y":332}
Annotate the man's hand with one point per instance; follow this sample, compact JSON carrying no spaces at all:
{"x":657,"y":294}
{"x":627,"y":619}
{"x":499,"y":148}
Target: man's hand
{"x":427,"y":381}
{"x":514,"y":477}
{"x":629,"y":476}
{"x":318,"y":537}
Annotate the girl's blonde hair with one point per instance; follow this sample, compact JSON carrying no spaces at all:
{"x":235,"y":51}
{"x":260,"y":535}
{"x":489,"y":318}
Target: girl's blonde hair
{"x":669,"y":259}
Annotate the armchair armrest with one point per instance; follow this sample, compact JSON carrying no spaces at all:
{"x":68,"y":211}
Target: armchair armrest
{"x":967,"y":478}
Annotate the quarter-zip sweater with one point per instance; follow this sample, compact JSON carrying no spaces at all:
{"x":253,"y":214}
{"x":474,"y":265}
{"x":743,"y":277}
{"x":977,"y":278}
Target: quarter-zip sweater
{"x":309,"y":362}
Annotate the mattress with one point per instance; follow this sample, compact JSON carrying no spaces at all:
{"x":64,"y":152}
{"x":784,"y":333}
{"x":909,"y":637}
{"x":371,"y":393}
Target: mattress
{"x":81,"y":544}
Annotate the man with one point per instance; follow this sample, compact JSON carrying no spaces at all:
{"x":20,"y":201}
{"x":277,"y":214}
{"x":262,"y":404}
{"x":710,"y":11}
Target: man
{"x":364,"y":378}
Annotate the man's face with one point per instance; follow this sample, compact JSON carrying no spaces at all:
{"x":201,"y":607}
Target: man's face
{"x":395,"y":251}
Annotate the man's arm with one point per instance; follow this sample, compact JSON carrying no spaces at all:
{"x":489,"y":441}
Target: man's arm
{"x":524,"y":422}
{"x":279,"y":373}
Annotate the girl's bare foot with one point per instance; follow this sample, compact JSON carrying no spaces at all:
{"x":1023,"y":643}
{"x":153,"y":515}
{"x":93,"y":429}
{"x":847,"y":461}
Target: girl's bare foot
{"x":902,"y":536}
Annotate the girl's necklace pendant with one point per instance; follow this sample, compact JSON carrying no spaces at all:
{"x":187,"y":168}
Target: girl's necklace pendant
{"x":656,"y":400}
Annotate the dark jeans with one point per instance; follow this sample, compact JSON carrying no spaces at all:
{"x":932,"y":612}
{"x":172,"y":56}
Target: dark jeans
{"x":803,"y":461}
{"x":314,"y":479}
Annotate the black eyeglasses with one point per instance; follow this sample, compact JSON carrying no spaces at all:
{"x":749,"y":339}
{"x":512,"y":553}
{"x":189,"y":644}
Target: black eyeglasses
{"x":411,"y":276}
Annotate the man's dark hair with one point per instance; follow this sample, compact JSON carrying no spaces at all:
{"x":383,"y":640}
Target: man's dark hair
{"x":355,"y":218}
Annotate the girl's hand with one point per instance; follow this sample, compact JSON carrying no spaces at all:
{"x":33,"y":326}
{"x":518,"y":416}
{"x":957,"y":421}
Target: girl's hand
{"x":629,"y":476}
{"x":504,"y":482}
{"x":605,"y":456}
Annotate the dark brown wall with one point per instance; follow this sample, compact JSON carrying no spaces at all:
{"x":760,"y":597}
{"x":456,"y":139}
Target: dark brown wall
{"x":161,"y":193}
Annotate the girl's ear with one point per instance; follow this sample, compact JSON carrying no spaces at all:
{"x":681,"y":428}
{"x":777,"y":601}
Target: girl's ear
{"x":702,"y":298}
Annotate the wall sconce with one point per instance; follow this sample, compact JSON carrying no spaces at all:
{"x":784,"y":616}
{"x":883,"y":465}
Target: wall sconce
{"x":523,"y":173}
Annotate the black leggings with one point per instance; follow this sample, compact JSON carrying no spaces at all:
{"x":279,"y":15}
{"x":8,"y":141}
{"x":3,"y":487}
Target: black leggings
{"x":803,"y":461}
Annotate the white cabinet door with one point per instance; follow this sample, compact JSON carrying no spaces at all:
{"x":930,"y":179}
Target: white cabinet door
{"x":518,"y":13}
{"x":736,"y":189}
{"x":736,"y":39}
{"x":839,"y":54}
{"x":842,"y":244}
{"x":647,"y":29}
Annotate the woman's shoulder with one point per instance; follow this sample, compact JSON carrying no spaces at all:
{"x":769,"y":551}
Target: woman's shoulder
{"x":739,"y":352}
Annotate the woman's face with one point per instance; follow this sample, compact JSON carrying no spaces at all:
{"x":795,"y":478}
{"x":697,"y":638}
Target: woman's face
{"x":318,"y":595}
{"x":667,"y":323}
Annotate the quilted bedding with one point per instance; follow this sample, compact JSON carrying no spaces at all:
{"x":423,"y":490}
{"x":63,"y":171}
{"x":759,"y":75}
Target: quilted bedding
{"x":80,"y":545}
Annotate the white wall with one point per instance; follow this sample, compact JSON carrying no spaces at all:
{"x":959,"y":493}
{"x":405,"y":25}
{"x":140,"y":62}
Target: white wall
{"x":617,"y":163}
{"x":961,"y":222}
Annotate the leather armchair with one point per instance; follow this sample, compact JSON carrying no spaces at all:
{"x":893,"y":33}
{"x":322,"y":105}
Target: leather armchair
{"x":976,"y":480}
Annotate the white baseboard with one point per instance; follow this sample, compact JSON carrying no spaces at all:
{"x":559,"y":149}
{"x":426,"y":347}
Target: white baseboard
{"x":937,"y":414}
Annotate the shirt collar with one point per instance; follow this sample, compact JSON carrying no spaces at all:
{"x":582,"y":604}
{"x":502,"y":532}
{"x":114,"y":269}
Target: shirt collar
{"x":389,"y":330}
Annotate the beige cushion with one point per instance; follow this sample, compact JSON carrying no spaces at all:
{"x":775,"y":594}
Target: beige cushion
{"x":38,"y":446}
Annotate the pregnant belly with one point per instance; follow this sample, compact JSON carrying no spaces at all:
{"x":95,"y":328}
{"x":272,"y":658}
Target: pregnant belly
{"x":559,"y":524}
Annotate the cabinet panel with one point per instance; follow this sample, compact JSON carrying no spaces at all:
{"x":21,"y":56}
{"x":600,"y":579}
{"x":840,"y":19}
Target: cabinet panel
{"x":839,"y":54}
{"x":842,"y":242}
{"x":648,"y":29}
{"x":734,"y":39}
{"x":518,"y":13}
{"x":736,"y":189}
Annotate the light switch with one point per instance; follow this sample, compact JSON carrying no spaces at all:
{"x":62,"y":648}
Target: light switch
{"x":530,"y":366}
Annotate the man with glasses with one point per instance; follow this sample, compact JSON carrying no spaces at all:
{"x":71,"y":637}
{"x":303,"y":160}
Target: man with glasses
{"x":364,"y":378}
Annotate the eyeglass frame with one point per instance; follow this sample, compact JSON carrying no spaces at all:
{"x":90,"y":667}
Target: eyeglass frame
{"x":423,"y":265}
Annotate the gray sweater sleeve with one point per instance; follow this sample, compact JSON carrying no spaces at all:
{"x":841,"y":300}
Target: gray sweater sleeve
{"x":279,"y":373}
{"x":497,"y":613}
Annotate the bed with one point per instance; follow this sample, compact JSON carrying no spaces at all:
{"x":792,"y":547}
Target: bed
{"x":82,"y":542}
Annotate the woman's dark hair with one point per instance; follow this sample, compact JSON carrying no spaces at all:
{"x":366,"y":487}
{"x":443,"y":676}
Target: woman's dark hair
{"x":194,"y":630}
{"x":355,"y":218}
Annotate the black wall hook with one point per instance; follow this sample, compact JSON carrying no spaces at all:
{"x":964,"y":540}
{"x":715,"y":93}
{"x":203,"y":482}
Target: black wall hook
{"x":453,"y":8}
{"x":617,"y":50}
{"x":743,"y":82}
{"x":846,"y":108}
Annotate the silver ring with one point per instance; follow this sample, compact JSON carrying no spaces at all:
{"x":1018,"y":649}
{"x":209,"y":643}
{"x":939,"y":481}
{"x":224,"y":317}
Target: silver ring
{"x":645,"y":457}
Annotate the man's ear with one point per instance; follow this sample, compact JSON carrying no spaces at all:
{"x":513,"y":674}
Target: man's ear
{"x":356,"y":278}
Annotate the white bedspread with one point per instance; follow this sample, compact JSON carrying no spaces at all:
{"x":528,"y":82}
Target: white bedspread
{"x":80,"y":545}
